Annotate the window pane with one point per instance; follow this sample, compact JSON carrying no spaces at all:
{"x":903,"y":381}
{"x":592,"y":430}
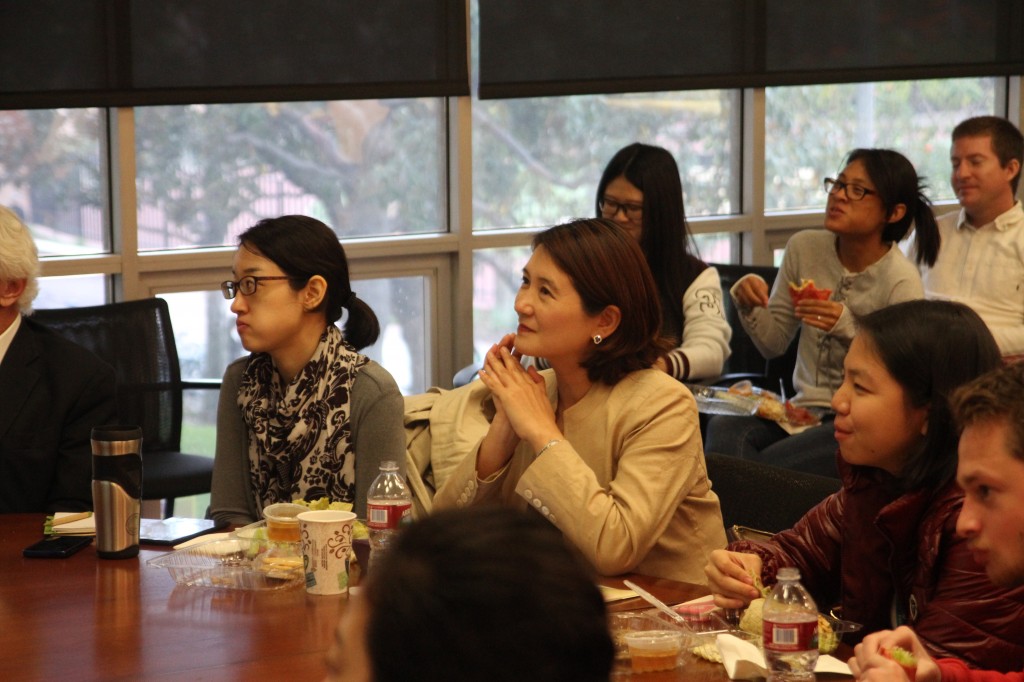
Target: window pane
{"x":366,"y":168}
{"x":496,"y":277}
{"x":809,"y":129}
{"x":538,"y":161}
{"x":715,"y":247}
{"x":52,"y":176}
{"x":71,"y":292}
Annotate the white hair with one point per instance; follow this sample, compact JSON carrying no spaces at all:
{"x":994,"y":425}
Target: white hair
{"x":19,"y":258}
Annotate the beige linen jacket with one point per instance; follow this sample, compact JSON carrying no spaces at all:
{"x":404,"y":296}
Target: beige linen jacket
{"x":628,"y":485}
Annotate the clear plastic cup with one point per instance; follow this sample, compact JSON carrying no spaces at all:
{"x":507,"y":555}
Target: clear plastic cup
{"x":282,"y":521}
{"x":653,"y":650}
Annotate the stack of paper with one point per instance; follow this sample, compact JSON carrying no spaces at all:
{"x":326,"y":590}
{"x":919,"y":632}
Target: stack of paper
{"x":70,"y":523}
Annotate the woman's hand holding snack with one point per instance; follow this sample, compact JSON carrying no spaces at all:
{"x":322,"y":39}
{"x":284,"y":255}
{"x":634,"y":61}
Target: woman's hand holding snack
{"x":731,"y":577}
{"x":893,"y":655}
{"x":812,"y":305}
{"x":820,"y":314}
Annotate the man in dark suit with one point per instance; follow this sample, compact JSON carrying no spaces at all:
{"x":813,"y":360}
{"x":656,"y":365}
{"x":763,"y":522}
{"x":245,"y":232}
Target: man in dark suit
{"x":52,"y":392}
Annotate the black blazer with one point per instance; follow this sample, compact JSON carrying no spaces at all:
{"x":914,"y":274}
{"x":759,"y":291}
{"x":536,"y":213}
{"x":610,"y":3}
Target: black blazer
{"x":52,"y":392}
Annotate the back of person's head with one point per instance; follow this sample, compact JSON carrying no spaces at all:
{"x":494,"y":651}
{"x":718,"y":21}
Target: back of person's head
{"x":665,"y":237}
{"x":1007,"y":141}
{"x":995,"y":397}
{"x":303,"y":247}
{"x":487,"y":593}
{"x":19,"y":258}
{"x":930,"y":348}
{"x":607,"y":269}
{"x":897,"y":182}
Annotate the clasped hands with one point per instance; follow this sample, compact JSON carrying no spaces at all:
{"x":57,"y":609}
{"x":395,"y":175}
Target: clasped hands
{"x":522,"y":407}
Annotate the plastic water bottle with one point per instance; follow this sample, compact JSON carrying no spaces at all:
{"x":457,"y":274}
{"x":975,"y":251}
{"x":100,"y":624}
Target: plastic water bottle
{"x":388,"y":505}
{"x":790,"y":630}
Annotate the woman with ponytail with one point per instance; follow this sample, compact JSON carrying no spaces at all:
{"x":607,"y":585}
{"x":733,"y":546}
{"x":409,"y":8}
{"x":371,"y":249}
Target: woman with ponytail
{"x":857,"y":267}
{"x":304,"y":415}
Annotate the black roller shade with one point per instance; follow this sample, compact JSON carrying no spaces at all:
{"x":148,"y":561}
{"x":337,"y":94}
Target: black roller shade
{"x":138,"y":52}
{"x":531,"y":48}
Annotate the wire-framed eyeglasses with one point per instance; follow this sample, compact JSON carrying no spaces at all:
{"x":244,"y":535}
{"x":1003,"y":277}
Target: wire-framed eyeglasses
{"x":610,"y":208}
{"x":246,"y":285}
{"x":853,"y":192}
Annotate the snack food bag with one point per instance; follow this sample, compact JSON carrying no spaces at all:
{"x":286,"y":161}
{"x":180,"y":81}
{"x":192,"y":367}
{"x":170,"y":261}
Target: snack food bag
{"x":806,"y":290}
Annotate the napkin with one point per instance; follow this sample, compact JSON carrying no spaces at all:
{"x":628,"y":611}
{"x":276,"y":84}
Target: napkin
{"x":611,"y":594}
{"x":744,"y":661}
{"x":79,"y":526}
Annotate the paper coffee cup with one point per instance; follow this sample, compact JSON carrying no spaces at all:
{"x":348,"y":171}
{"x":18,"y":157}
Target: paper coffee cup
{"x":326,"y":544}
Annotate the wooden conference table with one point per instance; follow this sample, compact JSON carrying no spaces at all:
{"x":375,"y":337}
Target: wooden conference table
{"x":85,"y":618}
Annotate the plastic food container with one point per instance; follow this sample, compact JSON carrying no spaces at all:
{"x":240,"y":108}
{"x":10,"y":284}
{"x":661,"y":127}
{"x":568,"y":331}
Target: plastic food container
{"x":237,"y":563}
{"x":705,"y":644}
{"x":653,"y":650}
{"x":623,"y":623}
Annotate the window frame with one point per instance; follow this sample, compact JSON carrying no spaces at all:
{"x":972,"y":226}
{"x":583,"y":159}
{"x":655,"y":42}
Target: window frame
{"x":444,"y":259}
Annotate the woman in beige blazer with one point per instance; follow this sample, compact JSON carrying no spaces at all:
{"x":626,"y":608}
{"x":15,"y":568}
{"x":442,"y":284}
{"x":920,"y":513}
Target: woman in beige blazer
{"x":602,"y":445}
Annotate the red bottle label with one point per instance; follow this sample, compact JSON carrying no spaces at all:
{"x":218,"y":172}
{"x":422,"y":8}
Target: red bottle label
{"x":385,"y":516}
{"x":798,"y":636}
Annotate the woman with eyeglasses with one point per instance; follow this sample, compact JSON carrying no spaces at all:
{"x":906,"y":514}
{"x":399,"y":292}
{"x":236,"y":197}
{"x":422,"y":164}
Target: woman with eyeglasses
{"x":305,"y":415}
{"x":640,"y":190}
{"x":871,"y":206}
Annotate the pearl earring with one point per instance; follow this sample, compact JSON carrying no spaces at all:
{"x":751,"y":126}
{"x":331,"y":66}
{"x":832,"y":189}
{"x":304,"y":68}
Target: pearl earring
{"x":598,"y":339}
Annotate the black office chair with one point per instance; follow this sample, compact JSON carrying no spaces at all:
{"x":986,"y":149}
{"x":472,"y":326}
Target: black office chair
{"x":761,"y":496}
{"x":136,"y":338}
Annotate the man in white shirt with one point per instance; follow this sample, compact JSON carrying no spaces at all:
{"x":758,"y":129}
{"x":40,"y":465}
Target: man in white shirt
{"x":981,"y":258}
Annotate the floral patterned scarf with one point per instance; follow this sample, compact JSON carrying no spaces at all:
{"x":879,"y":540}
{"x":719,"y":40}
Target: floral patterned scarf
{"x":300,"y":435}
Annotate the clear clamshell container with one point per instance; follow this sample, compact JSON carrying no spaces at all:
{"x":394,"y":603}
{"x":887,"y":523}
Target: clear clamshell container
{"x":244,"y":561}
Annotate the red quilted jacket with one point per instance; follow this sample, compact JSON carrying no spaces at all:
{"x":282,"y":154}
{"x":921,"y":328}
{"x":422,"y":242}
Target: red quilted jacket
{"x":881,"y":553}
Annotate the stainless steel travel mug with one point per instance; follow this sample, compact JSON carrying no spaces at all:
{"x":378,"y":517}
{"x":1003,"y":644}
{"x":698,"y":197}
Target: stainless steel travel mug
{"x":117,"y":490}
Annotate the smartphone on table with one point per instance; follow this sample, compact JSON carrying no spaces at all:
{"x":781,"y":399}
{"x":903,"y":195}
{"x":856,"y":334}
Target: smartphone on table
{"x":57,"y":546}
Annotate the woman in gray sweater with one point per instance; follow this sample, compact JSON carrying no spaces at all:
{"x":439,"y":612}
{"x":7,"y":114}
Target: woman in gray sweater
{"x":871,"y":206}
{"x":305,"y":415}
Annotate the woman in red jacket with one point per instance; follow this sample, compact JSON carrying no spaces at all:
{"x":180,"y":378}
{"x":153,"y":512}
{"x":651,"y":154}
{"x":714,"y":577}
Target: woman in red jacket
{"x":885,"y":546}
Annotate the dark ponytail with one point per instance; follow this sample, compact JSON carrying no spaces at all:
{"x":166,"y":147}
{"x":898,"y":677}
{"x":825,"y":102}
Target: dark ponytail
{"x":927,"y":239}
{"x":362,"y":328}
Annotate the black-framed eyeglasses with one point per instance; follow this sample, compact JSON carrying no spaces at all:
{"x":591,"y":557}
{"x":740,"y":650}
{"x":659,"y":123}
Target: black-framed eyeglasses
{"x":610,"y":208}
{"x":246,"y":285}
{"x":853,"y":192}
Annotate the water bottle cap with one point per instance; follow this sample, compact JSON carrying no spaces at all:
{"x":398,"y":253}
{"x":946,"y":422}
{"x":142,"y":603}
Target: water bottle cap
{"x":389,"y":465}
{"x":788,"y":573}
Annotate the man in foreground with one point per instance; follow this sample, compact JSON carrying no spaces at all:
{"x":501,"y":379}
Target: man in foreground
{"x":990,"y":412}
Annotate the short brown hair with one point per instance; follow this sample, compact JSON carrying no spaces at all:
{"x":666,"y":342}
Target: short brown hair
{"x":607,"y":267}
{"x":1007,"y":141}
{"x":995,"y":396}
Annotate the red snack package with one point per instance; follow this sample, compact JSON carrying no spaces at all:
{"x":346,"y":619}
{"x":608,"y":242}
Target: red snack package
{"x":807,"y":291}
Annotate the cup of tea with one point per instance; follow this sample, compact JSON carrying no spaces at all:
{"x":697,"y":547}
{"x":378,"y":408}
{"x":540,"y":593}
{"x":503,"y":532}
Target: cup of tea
{"x":653,"y":650}
{"x":282,"y":521}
